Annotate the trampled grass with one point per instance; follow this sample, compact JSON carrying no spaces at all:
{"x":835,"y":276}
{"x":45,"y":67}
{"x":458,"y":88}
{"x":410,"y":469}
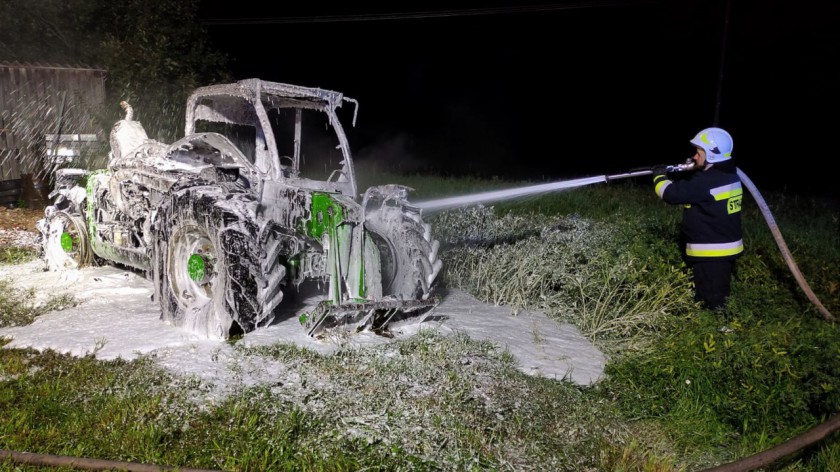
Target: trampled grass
{"x":685,"y":388}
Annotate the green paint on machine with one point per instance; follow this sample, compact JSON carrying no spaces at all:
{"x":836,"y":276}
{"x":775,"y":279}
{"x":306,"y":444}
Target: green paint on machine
{"x":326,"y":215}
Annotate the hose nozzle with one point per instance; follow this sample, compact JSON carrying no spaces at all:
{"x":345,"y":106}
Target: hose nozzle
{"x":687,"y":165}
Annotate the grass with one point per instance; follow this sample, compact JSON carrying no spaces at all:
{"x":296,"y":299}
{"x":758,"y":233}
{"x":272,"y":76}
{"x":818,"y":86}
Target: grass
{"x":18,"y":307}
{"x":16,"y":255}
{"x":428,"y":403}
{"x":574,"y":269}
{"x":680,"y":393}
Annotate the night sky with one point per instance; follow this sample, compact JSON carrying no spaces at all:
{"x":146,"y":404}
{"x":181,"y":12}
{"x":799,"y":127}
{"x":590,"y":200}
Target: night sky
{"x":566,"y":89}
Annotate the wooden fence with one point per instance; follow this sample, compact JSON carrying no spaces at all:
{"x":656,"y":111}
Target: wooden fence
{"x":37,"y":101}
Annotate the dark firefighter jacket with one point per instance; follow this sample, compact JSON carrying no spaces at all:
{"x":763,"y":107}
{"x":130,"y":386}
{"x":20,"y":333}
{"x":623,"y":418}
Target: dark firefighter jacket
{"x":712,"y":217}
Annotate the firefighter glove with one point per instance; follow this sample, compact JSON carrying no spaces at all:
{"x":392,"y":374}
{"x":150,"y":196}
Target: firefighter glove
{"x":660,"y":169}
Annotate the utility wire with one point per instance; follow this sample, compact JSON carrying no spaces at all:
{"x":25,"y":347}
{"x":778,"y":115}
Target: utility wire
{"x":424,"y":14}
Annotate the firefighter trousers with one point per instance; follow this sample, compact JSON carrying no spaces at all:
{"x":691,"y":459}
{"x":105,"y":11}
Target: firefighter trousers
{"x":712,"y":282}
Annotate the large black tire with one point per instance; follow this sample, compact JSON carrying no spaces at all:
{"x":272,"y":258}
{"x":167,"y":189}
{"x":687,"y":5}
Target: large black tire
{"x":211,"y":275}
{"x":408,"y":255}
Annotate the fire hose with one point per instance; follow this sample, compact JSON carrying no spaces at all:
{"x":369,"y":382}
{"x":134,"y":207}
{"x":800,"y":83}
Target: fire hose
{"x":771,"y":222}
{"x":50,"y":460}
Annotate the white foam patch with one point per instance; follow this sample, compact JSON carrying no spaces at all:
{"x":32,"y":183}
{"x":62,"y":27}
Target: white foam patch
{"x":116,"y":318}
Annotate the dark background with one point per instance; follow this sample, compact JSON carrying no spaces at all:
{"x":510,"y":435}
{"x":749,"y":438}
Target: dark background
{"x":565,"y":89}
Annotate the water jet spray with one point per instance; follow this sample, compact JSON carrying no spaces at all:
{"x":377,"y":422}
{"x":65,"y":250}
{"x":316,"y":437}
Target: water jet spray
{"x":519,"y":192}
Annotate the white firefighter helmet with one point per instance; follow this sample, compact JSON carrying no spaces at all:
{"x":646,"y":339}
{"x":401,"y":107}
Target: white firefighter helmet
{"x":716,"y":142}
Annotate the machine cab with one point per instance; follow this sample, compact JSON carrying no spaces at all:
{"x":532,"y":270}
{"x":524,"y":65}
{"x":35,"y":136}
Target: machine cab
{"x":287,"y":132}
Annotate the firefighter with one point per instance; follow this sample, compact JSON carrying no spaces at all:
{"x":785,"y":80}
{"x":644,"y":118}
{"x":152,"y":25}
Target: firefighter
{"x":711,"y":194}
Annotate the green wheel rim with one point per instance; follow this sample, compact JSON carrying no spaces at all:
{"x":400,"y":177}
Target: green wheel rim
{"x":195,"y":267}
{"x":66,"y":242}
